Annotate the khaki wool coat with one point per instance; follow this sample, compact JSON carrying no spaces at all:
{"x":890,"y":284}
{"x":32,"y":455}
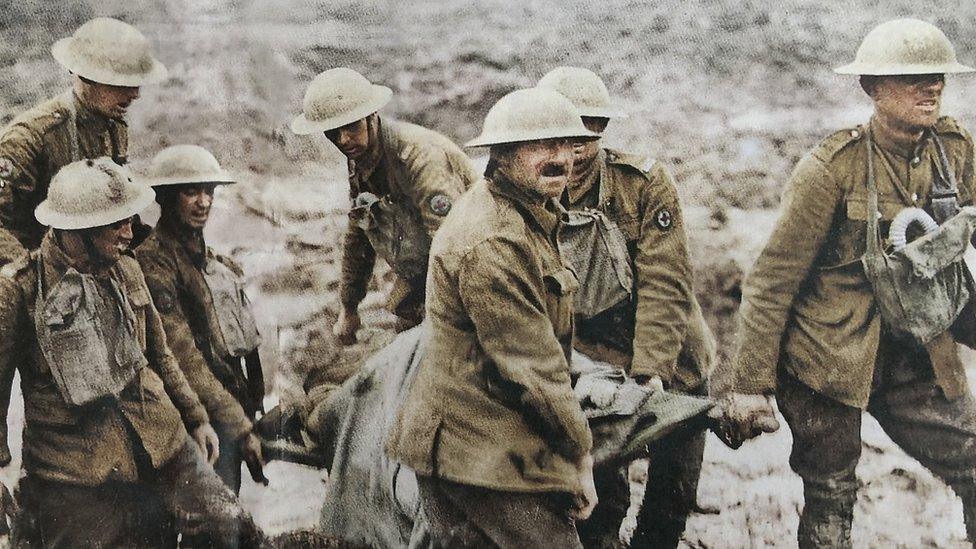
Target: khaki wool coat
{"x":88,"y":445}
{"x":418,"y":167}
{"x":175,"y":280}
{"x":662,"y":331}
{"x":806,"y":304}
{"x":492,"y":404}
{"x":33,"y":147}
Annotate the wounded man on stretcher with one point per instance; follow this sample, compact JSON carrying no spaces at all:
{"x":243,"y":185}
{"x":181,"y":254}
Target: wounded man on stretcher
{"x":372,"y":499}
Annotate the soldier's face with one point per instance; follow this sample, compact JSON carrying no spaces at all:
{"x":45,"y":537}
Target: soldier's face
{"x":352,"y":139}
{"x":909,"y":101}
{"x":543,"y":165}
{"x":193,"y":204}
{"x":584,"y":151}
{"x":110,"y":101}
{"x":109,"y":241}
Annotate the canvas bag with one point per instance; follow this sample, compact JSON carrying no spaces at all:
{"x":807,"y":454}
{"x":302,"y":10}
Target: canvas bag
{"x":395,"y":232}
{"x":88,"y":361}
{"x":596,"y":249}
{"x":921,"y":289}
{"x":238,"y":330}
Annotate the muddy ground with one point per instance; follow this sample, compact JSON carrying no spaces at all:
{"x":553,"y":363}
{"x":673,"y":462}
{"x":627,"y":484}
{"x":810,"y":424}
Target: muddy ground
{"x":727,"y":94}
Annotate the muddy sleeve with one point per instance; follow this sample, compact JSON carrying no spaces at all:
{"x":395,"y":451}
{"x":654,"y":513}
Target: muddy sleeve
{"x":505,"y":298}
{"x":162,"y":360}
{"x":437,"y":182}
{"x":664,"y":280}
{"x":358,"y":260}
{"x":20,"y":147}
{"x":221,"y":406}
{"x":806,"y":216}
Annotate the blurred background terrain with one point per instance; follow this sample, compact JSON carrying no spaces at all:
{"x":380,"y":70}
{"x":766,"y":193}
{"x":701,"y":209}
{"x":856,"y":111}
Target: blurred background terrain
{"x":727,"y":94}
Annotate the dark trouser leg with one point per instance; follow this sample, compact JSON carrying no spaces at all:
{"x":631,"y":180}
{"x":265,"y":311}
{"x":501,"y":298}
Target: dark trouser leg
{"x":228,"y":466}
{"x":468,"y":516}
{"x":202,"y":503}
{"x":602,"y":529}
{"x":114,"y":514}
{"x":826,"y":447}
{"x":671,"y":492}
{"x":939,"y":433}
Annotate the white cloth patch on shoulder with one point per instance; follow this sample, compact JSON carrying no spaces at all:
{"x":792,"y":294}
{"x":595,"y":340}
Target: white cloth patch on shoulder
{"x":664,"y":219}
{"x":6,"y":168}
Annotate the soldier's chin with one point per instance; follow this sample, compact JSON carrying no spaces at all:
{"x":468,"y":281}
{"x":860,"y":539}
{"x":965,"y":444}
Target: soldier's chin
{"x":553,"y":186}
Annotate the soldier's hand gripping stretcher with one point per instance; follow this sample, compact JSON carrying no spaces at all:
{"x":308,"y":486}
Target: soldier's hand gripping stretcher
{"x":585,"y":501}
{"x":739,"y":417}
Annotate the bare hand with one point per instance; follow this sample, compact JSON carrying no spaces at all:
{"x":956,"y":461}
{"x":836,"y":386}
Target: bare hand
{"x":586,"y":501}
{"x":346,"y":326}
{"x":740,"y":417}
{"x":206,"y":439}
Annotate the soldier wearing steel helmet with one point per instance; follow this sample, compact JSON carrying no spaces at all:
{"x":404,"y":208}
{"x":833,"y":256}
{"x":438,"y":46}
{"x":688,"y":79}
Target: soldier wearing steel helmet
{"x":403,"y":180}
{"x":201,"y":300}
{"x":491,"y":424}
{"x":650,"y":323}
{"x":109,"y":61}
{"x":810,"y":328}
{"x":113,"y":433}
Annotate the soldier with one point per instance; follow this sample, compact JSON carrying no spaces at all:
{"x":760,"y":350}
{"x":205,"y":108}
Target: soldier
{"x":491,"y":424}
{"x":625,"y":218}
{"x":107,"y":458}
{"x":403,"y":180}
{"x":108,"y":60}
{"x":811,"y":328}
{"x":200,"y":297}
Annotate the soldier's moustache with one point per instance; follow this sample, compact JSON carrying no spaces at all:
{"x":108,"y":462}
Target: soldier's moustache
{"x":553,"y":169}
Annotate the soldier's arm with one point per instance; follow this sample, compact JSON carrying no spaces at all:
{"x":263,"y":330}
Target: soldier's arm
{"x":19,"y":149}
{"x":809,"y":205}
{"x":664,"y":280}
{"x":161,"y":360}
{"x":436,"y":183}
{"x":358,"y":260}
{"x":223,"y":408}
{"x":507,"y":305}
{"x":12,"y":320}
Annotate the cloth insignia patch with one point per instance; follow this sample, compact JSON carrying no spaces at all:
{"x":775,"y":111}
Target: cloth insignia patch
{"x":664,"y":219}
{"x":440,"y":204}
{"x":165,"y":302}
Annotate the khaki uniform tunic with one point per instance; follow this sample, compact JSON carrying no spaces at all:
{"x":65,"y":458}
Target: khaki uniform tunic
{"x":175,"y":279}
{"x":492,"y":404}
{"x":652,"y":332}
{"x":88,"y":445}
{"x":807,"y":304}
{"x":33,"y":147}
{"x":417,"y":166}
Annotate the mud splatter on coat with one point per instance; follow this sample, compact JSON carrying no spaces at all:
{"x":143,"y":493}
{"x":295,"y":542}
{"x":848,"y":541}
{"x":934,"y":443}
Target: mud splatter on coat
{"x":492,"y":404}
{"x":90,"y":444}
{"x":420,"y":168}
{"x":807,"y":304}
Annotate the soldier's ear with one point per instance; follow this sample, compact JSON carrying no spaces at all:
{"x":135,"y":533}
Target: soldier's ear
{"x":868,"y":84}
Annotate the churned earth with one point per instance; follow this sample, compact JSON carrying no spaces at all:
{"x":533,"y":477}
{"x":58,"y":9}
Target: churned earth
{"x":727,"y":94}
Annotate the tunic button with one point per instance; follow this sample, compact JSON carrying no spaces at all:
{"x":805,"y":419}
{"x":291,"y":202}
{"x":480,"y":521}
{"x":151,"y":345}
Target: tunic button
{"x":855,"y":134}
{"x":914,"y":197}
{"x":916,"y":161}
